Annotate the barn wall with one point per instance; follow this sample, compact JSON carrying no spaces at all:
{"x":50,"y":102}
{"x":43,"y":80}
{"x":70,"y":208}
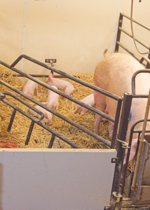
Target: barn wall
{"x":73,"y":32}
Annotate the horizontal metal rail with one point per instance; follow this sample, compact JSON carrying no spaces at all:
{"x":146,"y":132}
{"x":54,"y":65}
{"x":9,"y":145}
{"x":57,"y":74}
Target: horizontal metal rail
{"x":147,"y":28}
{"x":36,"y":120}
{"x":63,"y":74}
{"x":59,"y":92}
{"x":108,"y":143}
{"x":133,"y":79}
{"x":121,"y":29}
{"x":121,"y":45}
{"x":33,"y":75}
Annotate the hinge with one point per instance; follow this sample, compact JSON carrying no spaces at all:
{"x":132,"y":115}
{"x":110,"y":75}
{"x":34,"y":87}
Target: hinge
{"x":117,"y":195}
{"x":124,"y":144}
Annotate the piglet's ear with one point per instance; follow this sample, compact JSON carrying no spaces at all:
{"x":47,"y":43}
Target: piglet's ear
{"x":50,"y":77}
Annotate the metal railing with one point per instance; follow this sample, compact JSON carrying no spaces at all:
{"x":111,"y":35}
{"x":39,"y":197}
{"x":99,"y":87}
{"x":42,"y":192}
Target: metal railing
{"x":119,"y":44}
{"x":115,"y":97}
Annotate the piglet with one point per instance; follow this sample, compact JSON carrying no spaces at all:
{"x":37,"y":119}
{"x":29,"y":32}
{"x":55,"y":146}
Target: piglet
{"x":89,"y":100}
{"x":52,"y":100}
{"x":29,"y":88}
{"x":60,"y":84}
{"x":47,"y":115}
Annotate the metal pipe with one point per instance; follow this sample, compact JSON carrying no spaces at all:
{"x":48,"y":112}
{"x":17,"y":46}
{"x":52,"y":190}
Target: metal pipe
{"x":58,"y":92}
{"x":121,"y":29}
{"x":41,"y":124}
{"x":58,"y":72}
{"x":99,"y":138}
{"x":116,"y":123}
{"x":136,"y":22}
{"x":133,"y":79}
{"x":133,"y":187}
{"x":121,"y":45}
{"x":121,"y":151}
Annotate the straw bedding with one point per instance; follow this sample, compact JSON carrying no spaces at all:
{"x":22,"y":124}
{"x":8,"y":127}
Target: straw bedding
{"x":40,"y":138}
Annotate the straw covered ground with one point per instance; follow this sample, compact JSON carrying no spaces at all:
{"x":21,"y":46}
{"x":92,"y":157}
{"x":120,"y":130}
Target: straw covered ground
{"x":40,"y":138}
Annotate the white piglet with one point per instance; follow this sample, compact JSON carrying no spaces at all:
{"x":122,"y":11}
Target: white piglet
{"x":113,"y":73}
{"x":89,"y":100}
{"x":29,"y":88}
{"x":47,"y":115}
{"x":52,"y":100}
{"x":60,"y":84}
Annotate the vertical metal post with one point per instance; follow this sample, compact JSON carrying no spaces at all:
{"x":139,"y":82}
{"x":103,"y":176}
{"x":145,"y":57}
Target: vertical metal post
{"x":51,"y":141}
{"x":121,"y":151}
{"x":119,"y":32}
{"x":29,"y":133}
{"x":11,"y":120}
{"x":116,"y":123}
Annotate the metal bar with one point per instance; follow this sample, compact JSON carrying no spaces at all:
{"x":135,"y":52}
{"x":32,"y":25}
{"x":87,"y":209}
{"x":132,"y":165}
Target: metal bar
{"x":60,"y":93}
{"x":26,"y":104}
{"x":11,"y":120}
{"x":136,"y":22}
{"x":126,"y":166}
{"x":133,"y":187}
{"x":37,"y":75}
{"x":121,"y":45}
{"x":58,"y":72}
{"x":51,"y":141}
{"x":42,"y":125}
{"x":119,"y":32}
{"x":133,"y":78}
{"x":29,"y":133}
{"x":121,"y":29}
{"x":129,"y":190}
{"x":99,"y":138}
{"x":116,"y":123}
{"x":121,"y":151}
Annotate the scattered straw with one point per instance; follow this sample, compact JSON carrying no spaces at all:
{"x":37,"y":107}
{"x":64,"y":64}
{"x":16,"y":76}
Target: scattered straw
{"x":40,"y":138}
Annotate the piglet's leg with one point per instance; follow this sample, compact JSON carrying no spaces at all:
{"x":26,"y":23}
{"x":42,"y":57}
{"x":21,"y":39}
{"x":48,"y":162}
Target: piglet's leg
{"x":37,"y":91}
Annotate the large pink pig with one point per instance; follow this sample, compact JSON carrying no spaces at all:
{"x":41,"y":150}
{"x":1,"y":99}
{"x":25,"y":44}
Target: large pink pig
{"x":61,"y":84}
{"x":47,"y":115}
{"x":89,"y":100}
{"x":52,"y":100}
{"x":113,"y":73}
{"x":29,"y":88}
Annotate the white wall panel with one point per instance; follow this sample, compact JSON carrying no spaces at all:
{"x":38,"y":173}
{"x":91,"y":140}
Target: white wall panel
{"x":55,"y":179}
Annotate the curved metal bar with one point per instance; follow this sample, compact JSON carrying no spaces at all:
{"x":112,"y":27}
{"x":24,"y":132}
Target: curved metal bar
{"x":26,"y":104}
{"x":41,"y":124}
{"x":56,"y":91}
{"x":133,"y":78}
{"x":99,"y":138}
